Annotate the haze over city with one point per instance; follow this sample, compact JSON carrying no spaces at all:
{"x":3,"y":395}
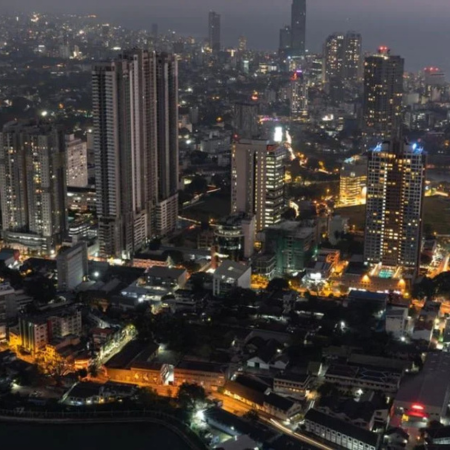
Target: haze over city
{"x":416,"y":29}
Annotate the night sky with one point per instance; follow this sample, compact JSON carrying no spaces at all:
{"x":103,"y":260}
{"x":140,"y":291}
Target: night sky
{"x":416,"y":29}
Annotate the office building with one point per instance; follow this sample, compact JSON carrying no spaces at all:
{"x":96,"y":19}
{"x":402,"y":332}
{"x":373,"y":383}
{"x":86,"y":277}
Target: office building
{"x":33,"y":186}
{"x":72,"y":266}
{"x":135,"y":100}
{"x":383,"y":94}
{"x":353,"y":181}
{"x":234,"y":237}
{"x":298,"y":29}
{"x":214,"y":32}
{"x":257,"y":181}
{"x":77,"y":167}
{"x":245,"y":119}
{"x":394,"y":207}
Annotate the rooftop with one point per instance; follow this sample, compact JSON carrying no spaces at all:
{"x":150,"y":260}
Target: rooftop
{"x":231,"y":269}
{"x":343,"y":427}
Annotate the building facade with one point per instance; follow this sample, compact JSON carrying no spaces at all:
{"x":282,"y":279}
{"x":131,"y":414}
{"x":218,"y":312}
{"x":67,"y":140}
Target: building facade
{"x":135,"y":99}
{"x":258,"y":181}
{"x":394,"y":207}
{"x":383,"y":94}
{"x":77,"y":168}
{"x":33,"y":185}
{"x":245,"y":120}
{"x":353,"y":181}
{"x":72,"y":266}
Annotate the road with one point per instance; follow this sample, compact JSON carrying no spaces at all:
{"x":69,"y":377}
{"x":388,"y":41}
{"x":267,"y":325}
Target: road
{"x":298,"y":436}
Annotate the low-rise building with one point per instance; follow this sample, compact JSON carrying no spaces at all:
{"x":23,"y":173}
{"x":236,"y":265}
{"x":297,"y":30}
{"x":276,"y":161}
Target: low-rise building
{"x":291,"y":383}
{"x":72,"y":266}
{"x":425,"y":396}
{"x":396,"y":322}
{"x":339,"y":432}
{"x":231,"y":275}
{"x":364,"y":377}
{"x":210,"y":376}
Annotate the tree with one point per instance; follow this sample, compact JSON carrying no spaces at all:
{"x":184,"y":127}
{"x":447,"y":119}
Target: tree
{"x":328,"y":390}
{"x":251,"y":415}
{"x":191,"y":395}
{"x":278,"y":284}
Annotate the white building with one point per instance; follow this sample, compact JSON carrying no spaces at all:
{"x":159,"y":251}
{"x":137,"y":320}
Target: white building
{"x":397,"y":321}
{"x":231,"y":275}
{"x":6,"y":292}
{"x":77,"y":169}
{"x":72,"y":266}
{"x":257,"y":181}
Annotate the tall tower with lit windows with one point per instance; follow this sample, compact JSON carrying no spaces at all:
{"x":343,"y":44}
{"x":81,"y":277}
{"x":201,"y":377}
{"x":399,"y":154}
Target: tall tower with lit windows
{"x":394,"y":206}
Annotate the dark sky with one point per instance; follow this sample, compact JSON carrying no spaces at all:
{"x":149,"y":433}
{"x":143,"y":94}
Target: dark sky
{"x":416,"y":29}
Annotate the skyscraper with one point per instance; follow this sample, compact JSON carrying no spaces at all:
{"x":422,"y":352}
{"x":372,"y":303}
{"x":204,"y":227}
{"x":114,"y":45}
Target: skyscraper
{"x":214,"y":31}
{"x":257,"y":181}
{"x":135,"y":101}
{"x":33,"y":185}
{"x":394,"y":207}
{"x":383,"y":92}
{"x":353,"y":57}
{"x":242,"y":47}
{"x":298,"y":28}
{"x":166,"y":75}
{"x":285,"y":41}
{"x":342,"y":62}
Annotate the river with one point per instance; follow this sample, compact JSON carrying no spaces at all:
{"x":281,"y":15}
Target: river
{"x":137,"y":436}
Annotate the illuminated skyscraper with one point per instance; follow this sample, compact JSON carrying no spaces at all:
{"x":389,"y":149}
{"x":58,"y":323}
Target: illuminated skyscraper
{"x":214,"y":32}
{"x":383,"y":93}
{"x":394,"y":207}
{"x":135,"y":104}
{"x":298,"y":29}
{"x":33,"y":185}
{"x":257,"y":181}
{"x":341,"y":62}
{"x":298,"y":95}
{"x":285,"y":41}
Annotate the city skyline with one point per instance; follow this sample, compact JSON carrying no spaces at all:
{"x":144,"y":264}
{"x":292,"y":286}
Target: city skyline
{"x":323,"y":18}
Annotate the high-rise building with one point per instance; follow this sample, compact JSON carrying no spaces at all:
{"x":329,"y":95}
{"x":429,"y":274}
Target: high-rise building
{"x":77,"y":168}
{"x":353,"y":181}
{"x":214,"y":32}
{"x":166,"y":85}
{"x":33,"y":185}
{"x":245,"y":119}
{"x":395,"y":191}
{"x":342,"y":62}
{"x":258,"y":181}
{"x":298,"y":94}
{"x":298,"y":29}
{"x":383,"y":93}
{"x":72,"y":266}
{"x":135,"y":102}
{"x":285,"y":41}
{"x":353,"y":63}
{"x":242,"y":44}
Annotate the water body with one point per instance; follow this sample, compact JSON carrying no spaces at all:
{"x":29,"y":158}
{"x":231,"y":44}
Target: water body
{"x":113,"y":436}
